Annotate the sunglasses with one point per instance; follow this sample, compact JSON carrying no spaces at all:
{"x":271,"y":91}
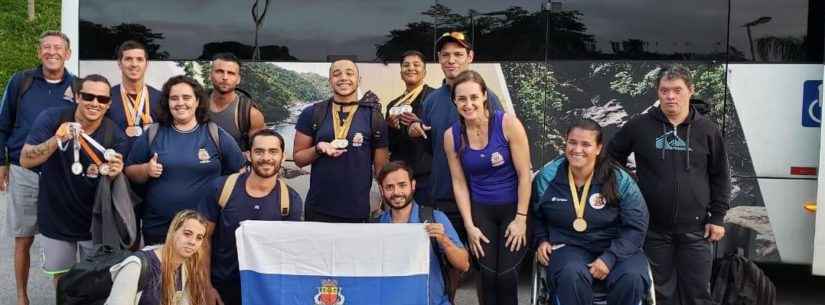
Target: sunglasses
{"x":103,"y":99}
{"x":456,"y":35}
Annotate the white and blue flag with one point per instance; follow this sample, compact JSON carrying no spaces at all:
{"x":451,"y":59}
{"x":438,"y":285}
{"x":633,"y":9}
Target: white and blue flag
{"x":286,"y":263}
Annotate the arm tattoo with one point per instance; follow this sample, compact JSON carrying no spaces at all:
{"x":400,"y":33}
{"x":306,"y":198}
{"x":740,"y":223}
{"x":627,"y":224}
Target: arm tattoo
{"x":38,"y":150}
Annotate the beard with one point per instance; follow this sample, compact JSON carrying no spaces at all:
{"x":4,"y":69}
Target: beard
{"x":222,"y":90}
{"x":390,"y":202}
{"x":260,"y":172}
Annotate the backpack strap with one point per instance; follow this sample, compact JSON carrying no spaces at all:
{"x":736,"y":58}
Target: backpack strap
{"x":143,"y":278}
{"x":226,"y":191}
{"x":215,"y":135}
{"x":25,"y":84}
{"x":152,"y":132}
{"x":319,"y":112}
{"x":242,"y":120}
{"x":284,"y":197}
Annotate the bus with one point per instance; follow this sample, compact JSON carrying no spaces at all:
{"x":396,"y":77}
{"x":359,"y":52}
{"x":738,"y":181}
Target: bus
{"x":758,"y":67}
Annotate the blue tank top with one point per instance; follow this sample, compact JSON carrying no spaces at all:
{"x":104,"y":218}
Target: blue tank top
{"x":490,"y":173}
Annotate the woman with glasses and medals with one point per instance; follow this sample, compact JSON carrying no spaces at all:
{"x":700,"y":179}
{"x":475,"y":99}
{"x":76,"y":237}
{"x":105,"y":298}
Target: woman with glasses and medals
{"x":590,"y":223}
{"x":182,"y":158}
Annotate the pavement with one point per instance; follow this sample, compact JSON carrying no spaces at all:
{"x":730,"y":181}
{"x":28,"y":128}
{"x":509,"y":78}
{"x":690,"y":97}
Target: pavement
{"x":795,"y":285}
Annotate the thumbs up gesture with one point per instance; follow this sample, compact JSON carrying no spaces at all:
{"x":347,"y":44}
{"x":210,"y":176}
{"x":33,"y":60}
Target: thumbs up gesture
{"x":153,"y":168}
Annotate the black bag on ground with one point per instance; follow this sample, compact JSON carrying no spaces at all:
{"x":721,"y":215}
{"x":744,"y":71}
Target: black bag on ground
{"x":739,"y":281}
{"x":89,"y":282}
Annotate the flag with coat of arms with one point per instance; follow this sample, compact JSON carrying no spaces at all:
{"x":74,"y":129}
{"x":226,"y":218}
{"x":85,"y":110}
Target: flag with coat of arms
{"x":286,"y":263}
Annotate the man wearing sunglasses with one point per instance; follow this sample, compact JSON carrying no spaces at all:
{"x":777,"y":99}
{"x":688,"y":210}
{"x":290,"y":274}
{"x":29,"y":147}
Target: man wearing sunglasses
{"x":73,"y":147}
{"x":27,"y":94}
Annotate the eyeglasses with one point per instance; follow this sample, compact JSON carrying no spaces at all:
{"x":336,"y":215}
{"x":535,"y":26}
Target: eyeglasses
{"x":103,"y":99}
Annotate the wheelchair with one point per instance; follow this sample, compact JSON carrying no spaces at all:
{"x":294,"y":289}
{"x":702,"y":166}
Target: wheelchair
{"x":540,"y":288}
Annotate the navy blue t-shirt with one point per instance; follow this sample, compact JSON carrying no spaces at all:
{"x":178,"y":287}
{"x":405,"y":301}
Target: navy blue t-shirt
{"x":116,"y":113}
{"x":440,"y":113}
{"x":340,"y":186}
{"x":241,"y":206}
{"x":190,"y":161}
{"x":65,"y":200}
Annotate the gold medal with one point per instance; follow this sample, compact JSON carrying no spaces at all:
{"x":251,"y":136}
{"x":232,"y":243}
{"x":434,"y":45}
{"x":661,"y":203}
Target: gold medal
{"x":340,"y":143}
{"x":579,"y":224}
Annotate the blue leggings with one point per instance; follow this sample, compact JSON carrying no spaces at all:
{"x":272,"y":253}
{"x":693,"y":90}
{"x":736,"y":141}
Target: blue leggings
{"x":572,"y":284}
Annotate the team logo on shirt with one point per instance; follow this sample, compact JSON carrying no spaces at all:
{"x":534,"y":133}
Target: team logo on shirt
{"x":329,"y":293}
{"x":357,"y":139}
{"x":597,"y":201}
{"x":496,"y":159}
{"x":203,"y":155}
{"x":68,"y":94}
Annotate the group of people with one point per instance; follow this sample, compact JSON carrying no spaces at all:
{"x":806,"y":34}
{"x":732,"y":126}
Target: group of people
{"x":451,"y":157}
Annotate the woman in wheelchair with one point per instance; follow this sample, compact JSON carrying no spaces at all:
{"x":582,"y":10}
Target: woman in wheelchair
{"x":590,"y":222}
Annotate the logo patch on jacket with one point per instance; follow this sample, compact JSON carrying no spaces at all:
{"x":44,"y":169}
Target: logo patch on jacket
{"x":671,"y":141}
{"x":597,"y":201}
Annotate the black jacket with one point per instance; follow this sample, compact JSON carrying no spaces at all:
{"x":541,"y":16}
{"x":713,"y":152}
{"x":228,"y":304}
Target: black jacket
{"x":683,"y":170}
{"x":416,"y":152}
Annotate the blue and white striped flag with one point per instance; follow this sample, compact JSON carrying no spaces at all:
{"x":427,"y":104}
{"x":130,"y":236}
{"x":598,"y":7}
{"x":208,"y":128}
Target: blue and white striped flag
{"x":301,"y":263}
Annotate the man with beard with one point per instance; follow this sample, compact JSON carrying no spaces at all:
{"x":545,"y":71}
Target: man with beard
{"x":403,"y":111}
{"x":27,"y":94}
{"x":397,"y":188}
{"x":347,"y":141}
{"x":253,"y":195}
{"x":134,"y":103}
{"x":74,"y":147}
{"x":233,"y":112}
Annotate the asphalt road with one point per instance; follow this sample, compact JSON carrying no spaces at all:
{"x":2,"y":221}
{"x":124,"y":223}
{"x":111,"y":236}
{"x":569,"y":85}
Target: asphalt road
{"x":795,"y":285}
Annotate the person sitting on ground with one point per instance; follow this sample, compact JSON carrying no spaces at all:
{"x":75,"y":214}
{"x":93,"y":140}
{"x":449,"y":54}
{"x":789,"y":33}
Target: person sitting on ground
{"x":176,"y":273}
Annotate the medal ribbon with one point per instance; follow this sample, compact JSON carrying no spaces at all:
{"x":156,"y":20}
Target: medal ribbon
{"x":341,"y":130}
{"x":578,"y":203}
{"x":95,"y":158}
{"x":409,"y":97}
{"x":133,"y":115}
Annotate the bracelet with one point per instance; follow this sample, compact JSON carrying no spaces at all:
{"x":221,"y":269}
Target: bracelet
{"x":521,"y":214}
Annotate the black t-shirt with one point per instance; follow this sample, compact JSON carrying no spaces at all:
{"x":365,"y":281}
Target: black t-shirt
{"x":416,"y":152}
{"x":65,"y":200}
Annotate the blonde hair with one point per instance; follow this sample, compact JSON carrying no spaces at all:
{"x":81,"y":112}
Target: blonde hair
{"x":196,"y":279}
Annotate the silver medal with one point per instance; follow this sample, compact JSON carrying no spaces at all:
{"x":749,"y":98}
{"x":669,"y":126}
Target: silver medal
{"x":77,"y":169}
{"x":405,"y":109}
{"x":104,"y":169}
{"x":109,"y":154}
{"x":340,"y":143}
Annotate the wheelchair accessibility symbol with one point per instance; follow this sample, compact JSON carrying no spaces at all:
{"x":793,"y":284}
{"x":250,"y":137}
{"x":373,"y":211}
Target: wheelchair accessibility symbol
{"x":811,"y":105}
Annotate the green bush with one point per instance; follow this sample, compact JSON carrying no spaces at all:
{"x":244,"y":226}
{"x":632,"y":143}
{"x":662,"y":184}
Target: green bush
{"x":18,"y":36}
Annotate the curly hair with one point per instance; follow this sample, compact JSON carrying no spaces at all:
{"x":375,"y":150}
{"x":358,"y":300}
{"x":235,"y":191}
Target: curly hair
{"x":202,"y":111}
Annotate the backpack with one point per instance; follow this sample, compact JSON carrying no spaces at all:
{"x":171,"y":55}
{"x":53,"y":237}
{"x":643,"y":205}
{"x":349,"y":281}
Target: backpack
{"x":214,"y":134}
{"x":26,"y":84}
{"x":450,"y":275}
{"x":322,"y":108}
{"x":738,"y":281}
{"x":229,"y":185}
{"x":89,"y":282}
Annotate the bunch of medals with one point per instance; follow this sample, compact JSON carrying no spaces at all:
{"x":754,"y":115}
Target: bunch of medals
{"x":136,"y":110}
{"x":340,"y":126}
{"x":80,"y":140}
